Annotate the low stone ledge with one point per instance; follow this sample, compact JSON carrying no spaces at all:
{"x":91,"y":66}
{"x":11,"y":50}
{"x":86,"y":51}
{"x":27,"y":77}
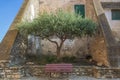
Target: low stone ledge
{"x":38,"y":71}
{"x":109,"y":72}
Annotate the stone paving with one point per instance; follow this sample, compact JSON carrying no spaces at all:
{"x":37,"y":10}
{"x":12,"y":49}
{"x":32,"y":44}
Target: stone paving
{"x":69,"y":78}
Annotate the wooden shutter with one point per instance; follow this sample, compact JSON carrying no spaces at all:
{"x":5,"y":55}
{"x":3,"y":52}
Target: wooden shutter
{"x":115,"y":14}
{"x":80,"y":9}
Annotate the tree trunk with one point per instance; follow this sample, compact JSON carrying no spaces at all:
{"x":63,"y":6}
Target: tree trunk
{"x":59,"y":49}
{"x":58,"y":46}
{"x":58,"y":52}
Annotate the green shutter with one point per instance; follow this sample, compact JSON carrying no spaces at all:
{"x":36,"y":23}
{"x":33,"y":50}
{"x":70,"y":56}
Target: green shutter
{"x":115,"y":14}
{"x":80,"y":9}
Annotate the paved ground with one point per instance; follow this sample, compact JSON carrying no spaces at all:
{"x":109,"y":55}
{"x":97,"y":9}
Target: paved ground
{"x":69,"y":78}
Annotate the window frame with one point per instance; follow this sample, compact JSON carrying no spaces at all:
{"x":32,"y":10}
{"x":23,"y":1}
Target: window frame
{"x":113,"y":13}
{"x":83,"y":8}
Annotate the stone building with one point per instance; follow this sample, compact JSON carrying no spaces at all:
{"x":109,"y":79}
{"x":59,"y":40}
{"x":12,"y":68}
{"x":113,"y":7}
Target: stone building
{"x":104,"y":49}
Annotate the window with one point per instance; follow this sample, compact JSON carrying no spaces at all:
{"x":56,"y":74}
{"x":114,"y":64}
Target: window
{"x":80,"y":9}
{"x":116,"y":14}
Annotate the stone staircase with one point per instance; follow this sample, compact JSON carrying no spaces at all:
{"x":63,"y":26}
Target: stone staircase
{"x":113,"y":47}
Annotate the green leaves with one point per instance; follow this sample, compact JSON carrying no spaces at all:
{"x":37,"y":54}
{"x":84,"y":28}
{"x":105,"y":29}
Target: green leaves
{"x":58,"y":24}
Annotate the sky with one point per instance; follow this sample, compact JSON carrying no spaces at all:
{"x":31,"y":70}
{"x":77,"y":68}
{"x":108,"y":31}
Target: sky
{"x":8,"y":11}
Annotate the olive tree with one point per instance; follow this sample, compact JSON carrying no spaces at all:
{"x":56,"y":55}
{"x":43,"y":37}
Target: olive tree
{"x":62,"y":25}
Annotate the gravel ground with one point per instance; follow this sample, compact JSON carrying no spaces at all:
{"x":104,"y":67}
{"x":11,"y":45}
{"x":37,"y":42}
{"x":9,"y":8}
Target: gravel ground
{"x":69,"y":78}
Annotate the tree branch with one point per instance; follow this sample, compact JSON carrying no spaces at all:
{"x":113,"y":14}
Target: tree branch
{"x":63,"y":40}
{"x":54,"y":42}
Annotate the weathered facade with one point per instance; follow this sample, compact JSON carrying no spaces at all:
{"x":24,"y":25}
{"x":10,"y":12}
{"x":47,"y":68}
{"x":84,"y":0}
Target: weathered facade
{"x":97,"y":10}
{"x":112,"y":44}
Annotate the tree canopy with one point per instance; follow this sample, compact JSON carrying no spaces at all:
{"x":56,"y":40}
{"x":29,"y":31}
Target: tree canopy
{"x":63,"y":25}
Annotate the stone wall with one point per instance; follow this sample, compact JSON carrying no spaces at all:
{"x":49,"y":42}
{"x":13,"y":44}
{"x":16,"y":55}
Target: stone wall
{"x":107,"y":72}
{"x":53,"y":5}
{"x":70,"y":46}
{"x":68,"y":5}
{"x":31,"y":11}
{"x":90,"y":11}
{"x":99,"y":52}
{"x":110,"y":0}
{"x":111,"y":44}
{"x":9,"y":72}
{"x":18,"y":51}
{"x":111,"y":5}
{"x":33,"y":70}
{"x":114,"y":24}
{"x":75,"y":47}
{"x":90,"y":71}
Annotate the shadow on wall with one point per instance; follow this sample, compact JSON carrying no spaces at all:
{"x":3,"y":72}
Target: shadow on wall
{"x":76,"y":47}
